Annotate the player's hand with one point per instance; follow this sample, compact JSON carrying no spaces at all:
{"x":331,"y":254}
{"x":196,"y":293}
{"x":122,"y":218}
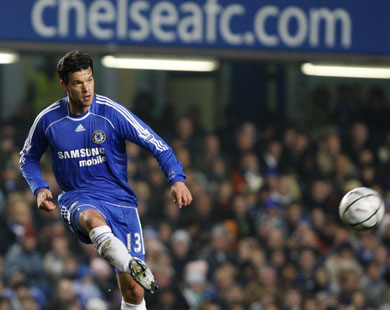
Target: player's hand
{"x":181,"y":194}
{"x":44,"y":198}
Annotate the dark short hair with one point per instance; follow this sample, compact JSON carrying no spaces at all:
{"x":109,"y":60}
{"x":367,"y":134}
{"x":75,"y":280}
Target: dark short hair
{"x":73,"y":61}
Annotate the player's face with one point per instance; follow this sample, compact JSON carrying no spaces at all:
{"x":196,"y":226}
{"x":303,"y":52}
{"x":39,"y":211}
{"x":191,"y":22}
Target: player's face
{"x":80,"y":90}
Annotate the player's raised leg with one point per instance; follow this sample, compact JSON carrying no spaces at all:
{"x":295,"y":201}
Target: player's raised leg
{"x":108,"y":246}
{"x":114,"y":251}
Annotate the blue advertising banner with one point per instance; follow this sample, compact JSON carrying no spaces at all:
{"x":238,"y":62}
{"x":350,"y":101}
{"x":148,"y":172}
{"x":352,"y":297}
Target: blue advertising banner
{"x":330,"y":26}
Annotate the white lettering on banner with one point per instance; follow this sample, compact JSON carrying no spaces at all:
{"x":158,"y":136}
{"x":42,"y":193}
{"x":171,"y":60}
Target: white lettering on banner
{"x":190,"y":27}
{"x":121,"y":28}
{"x":330,"y":19}
{"x":191,"y":22}
{"x":226,"y":17}
{"x":285,"y":18}
{"x":101,"y":12}
{"x":164,"y":14}
{"x":65,"y":8}
{"x":37,"y":18}
{"x":212,"y":9}
{"x":260,"y":21}
{"x":136,"y":16}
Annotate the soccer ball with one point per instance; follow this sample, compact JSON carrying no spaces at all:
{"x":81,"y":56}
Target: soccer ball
{"x":361,"y":209}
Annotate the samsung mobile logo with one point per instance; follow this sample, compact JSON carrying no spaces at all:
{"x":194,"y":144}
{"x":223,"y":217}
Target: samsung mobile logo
{"x":192,"y":23}
{"x":84,"y":152}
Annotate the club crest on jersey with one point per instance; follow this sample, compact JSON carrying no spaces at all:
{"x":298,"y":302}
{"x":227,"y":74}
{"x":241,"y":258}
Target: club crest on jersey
{"x":98,"y":136}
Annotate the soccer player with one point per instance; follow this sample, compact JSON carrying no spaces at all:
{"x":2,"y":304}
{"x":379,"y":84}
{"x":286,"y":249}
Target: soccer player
{"x":86,"y":133}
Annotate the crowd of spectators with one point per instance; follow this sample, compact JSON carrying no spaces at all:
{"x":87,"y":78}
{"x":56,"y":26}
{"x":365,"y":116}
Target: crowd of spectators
{"x":261,"y":234}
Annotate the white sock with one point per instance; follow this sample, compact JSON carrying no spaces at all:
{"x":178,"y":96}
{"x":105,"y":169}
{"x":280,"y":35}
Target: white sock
{"x":127,"y":306}
{"x":110,"y":248}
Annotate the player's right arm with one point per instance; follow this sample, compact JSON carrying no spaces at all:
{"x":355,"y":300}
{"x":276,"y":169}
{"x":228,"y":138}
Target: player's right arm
{"x":44,"y":198}
{"x":30,"y":156}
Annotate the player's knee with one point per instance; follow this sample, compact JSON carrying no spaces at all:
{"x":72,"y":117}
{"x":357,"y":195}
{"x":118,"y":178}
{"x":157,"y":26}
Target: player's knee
{"x":90,"y":219}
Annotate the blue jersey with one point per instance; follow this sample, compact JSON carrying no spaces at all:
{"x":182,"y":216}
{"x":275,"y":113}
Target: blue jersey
{"x":89,"y":150}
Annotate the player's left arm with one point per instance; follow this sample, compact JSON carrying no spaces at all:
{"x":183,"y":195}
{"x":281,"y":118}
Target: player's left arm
{"x":181,"y":194}
{"x":135,"y":130}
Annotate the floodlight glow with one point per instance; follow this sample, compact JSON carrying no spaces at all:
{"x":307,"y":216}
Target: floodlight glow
{"x":169,"y":64}
{"x":8,"y":58}
{"x":346,"y":71}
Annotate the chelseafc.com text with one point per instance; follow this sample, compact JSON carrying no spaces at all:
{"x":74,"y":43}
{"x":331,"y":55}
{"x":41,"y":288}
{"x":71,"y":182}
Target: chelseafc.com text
{"x":192,"y":22}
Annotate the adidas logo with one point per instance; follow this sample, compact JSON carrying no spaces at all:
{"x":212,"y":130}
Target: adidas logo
{"x":80,"y":128}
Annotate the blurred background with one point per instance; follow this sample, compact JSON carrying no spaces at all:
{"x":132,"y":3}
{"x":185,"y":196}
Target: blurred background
{"x":275,"y":109}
